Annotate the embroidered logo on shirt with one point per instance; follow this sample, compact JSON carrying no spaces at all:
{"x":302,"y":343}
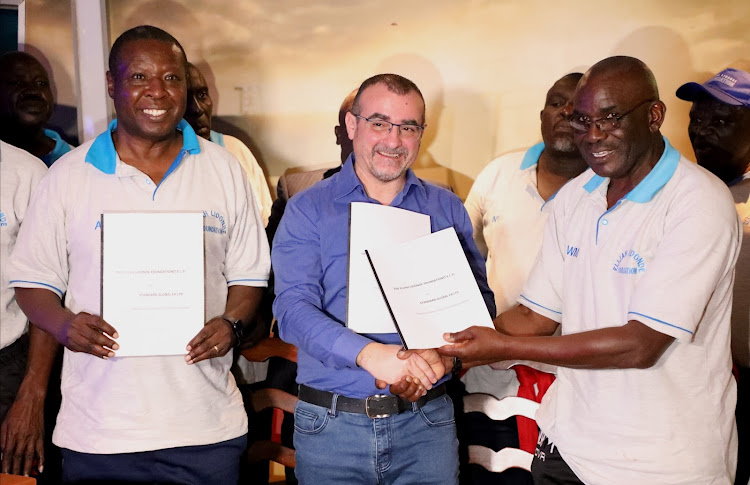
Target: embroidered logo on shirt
{"x":3,"y":219}
{"x":214,"y":222}
{"x":629,"y":262}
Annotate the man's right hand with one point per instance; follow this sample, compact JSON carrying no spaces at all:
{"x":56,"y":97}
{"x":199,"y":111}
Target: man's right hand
{"x":383,"y":363}
{"x":22,"y":433}
{"x":91,"y":334}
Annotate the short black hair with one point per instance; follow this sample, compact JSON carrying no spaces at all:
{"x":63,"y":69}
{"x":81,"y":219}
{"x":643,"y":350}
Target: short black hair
{"x":395,"y":84}
{"x":142,"y":32}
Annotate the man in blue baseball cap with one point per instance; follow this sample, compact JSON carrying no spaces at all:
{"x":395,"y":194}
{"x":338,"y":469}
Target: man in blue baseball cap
{"x":720,"y":123}
{"x":719,"y":130}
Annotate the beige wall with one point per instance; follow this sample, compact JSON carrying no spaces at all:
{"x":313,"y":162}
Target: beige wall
{"x":484,"y":66}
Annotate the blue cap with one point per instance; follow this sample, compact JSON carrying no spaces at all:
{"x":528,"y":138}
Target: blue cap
{"x":730,"y":86}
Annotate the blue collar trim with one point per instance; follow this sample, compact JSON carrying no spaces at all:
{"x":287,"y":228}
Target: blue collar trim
{"x":60,"y":149}
{"x":102,"y":153}
{"x":348,"y":182}
{"x":531,"y":157}
{"x":656,"y":179}
{"x":217,"y":138}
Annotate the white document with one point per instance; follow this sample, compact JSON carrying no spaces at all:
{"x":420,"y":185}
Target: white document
{"x":372,"y":226}
{"x":430,"y":288}
{"x":153,"y":280}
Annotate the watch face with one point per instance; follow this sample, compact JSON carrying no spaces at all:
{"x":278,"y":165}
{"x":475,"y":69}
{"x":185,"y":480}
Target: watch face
{"x":239,"y":329}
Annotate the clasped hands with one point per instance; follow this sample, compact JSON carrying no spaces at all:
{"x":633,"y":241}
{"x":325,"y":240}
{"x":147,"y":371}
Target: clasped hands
{"x":91,"y":334}
{"x":423,"y":368}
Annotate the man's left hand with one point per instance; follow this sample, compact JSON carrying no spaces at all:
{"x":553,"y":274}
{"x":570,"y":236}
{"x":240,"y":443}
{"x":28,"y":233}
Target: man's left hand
{"x":214,"y":340}
{"x":407,"y":388}
{"x":22,"y":435}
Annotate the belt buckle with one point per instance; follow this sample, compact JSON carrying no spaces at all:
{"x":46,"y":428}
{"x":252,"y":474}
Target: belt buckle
{"x":376,"y":398}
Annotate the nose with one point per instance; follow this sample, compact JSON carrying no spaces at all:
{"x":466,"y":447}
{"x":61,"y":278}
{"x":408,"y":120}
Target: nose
{"x":594,"y":134}
{"x":29,"y":87}
{"x":699,"y":127}
{"x":567,"y":110}
{"x":393,"y":136}
{"x":156,"y":88}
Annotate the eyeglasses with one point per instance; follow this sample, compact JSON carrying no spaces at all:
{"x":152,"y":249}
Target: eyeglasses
{"x":609,"y":123}
{"x":405,"y":130}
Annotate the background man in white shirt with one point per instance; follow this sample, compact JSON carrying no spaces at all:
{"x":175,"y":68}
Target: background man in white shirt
{"x":508,"y":206}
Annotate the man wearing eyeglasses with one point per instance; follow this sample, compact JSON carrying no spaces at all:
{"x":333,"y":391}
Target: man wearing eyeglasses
{"x":719,"y":130}
{"x":636,"y":266}
{"x":338,"y":439}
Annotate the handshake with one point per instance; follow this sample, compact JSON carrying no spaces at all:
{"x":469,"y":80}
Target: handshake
{"x":410,"y":373}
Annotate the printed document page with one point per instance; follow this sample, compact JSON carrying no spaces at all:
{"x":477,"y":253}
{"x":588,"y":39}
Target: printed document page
{"x":152,"y":280}
{"x":430,"y":288}
{"x":372,"y":226}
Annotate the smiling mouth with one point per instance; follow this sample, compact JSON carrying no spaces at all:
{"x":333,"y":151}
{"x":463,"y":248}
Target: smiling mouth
{"x":601,"y":154}
{"x":155,"y":113}
{"x":392,"y":156}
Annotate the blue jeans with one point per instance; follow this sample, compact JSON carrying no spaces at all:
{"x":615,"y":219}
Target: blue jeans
{"x":416,"y":446}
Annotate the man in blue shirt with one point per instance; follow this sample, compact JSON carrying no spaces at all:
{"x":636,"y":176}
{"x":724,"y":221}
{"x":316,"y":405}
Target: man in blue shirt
{"x":338,"y":438}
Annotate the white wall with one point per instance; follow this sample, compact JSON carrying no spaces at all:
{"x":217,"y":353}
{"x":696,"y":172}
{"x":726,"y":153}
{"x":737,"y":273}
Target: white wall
{"x":484,"y":66}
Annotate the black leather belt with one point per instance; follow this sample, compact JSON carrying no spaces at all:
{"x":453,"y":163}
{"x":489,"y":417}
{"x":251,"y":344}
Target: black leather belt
{"x":377,"y":406}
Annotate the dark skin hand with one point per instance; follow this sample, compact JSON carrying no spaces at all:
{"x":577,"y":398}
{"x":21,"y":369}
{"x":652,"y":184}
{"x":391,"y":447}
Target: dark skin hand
{"x":22,"y":431}
{"x":523,"y":334}
{"x":80,"y":332}
{"x":88,"y":333}
{"x":216,"y":338}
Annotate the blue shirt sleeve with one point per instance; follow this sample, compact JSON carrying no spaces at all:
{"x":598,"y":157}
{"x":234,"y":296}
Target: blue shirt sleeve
{"x":299,"y":305}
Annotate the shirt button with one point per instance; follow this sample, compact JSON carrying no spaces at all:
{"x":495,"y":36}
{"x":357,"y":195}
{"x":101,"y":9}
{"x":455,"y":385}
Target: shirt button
{"x":605,"y":222}
{"x":148,"y":181}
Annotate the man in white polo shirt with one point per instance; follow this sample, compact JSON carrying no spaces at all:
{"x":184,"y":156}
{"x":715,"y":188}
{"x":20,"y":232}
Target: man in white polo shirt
{"x":26,"y":353}
{"x":636,"y":266}
{"x":508,"y":209}
{"x":719,"y":130}
{"x":144,"y":419}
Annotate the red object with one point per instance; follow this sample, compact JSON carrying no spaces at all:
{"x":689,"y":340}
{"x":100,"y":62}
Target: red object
{"x":528,"y":433}
{"x":276,"y":419}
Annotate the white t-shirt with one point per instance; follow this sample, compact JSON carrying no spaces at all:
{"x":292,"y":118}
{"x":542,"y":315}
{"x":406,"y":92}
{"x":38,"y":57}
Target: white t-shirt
{"x":20,"y":172}
{"x":508,"y":216}
{"x":132,"y":404}
{"x":741,"y":305}
{"x":664,"y":255}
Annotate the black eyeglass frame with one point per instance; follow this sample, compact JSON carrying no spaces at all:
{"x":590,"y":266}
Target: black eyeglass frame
{"x":419,"y":128}
{"x":606,"y":124}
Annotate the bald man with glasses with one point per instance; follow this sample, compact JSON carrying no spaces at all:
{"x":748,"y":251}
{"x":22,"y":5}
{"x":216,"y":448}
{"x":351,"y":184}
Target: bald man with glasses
{"x":636,"y":267}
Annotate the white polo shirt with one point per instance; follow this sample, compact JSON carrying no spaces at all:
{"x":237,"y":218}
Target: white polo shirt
{"x":508,"y":216}
{"x":255,"y":174}
{"x":132,"y":404}
{"x":741,"y":305}
{"x":664,"y":255}
{"x":20,"y":172}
